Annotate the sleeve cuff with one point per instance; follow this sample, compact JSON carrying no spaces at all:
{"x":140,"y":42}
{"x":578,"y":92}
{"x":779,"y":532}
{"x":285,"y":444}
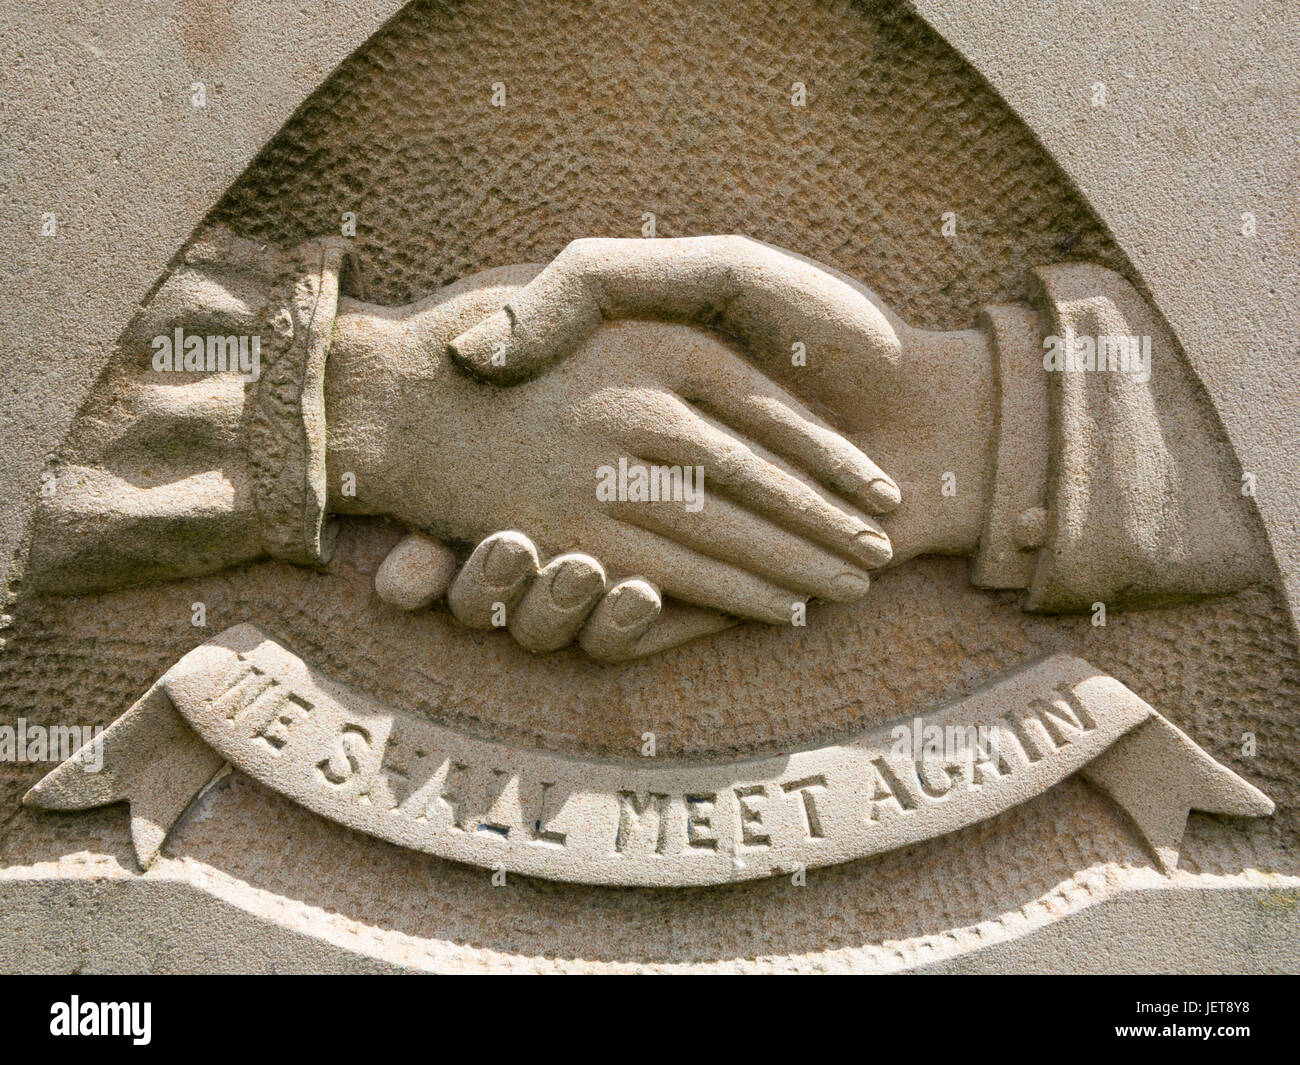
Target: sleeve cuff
{"x":286,"y":421}
{"x":1112,"y":482}
{"x":1144,"y":495}
{"x":1014,"y":518}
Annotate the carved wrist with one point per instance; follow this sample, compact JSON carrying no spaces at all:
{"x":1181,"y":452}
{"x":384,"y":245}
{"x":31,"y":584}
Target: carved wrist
{"x":361,"y":391}
{"x":936,"y":440}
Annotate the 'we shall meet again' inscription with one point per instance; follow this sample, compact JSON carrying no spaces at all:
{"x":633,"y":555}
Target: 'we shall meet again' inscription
{"x":424,"y":786}
{"x":247,"y":699}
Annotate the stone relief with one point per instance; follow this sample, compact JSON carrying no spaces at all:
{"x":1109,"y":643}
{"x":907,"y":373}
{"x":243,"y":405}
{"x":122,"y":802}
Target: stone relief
{"x":463,"y":421}
{"x":455,"y":417}
{"x":263,"y":710}
{"x":794,"y":545}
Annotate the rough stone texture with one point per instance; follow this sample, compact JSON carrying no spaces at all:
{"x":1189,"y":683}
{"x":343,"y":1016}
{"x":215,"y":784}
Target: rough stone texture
{"x":99,"y":130}
{"x":899,"y":131}
{"x":1068,"y":848}
{"x":615,"y":109}
{"x":1199,"y":128}
{"x":245,"y":699}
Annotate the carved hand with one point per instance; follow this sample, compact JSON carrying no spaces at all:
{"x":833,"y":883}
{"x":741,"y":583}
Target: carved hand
{"x":459,"y":459}
{"x":920,"y":402}
{"x":544,"y":606}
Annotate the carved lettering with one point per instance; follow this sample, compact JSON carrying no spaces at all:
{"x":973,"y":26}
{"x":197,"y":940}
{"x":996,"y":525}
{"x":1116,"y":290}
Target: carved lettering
{"x":887,"y":785}
{"x":290,"y":710}
{"x":804,"y":789}
{"x":939,"y":778}
{"x":540,"y":833}
{"x":496,"y":786}
{"x":634,"y":811}
{"x":699,"y":826}
{"x":676,"y":825}
{"x":453,"y":795}
{"x":250,"y":684}
{"x":344,"y":762}
{"x":751,"y":818}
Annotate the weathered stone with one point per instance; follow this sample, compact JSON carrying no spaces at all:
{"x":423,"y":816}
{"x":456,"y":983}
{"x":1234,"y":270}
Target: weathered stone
{"x":687,"y":485}
{"x":416,"y":572}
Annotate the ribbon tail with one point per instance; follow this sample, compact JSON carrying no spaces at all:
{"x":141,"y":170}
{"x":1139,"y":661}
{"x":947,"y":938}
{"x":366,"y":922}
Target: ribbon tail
{"x":1157,"y":775}
{"x":150,"y":758}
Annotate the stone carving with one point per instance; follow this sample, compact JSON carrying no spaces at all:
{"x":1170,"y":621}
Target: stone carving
{"x":419,"y":499}
{"x":617,"y":356}
{"x":396,"y":776}
{"x":456,"y":419}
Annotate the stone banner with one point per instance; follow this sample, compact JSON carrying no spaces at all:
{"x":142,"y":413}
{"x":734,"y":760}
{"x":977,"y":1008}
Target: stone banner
{"x":244,"y":699}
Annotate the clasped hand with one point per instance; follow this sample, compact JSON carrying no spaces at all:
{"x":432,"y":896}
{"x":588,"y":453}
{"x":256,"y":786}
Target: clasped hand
{"x":491,"y":416}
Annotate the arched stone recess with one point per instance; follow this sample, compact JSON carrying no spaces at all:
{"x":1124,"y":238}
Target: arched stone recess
{"x":464,"y":136}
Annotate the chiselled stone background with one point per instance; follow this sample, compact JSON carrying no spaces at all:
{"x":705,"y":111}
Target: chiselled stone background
{"x":681,"y":110}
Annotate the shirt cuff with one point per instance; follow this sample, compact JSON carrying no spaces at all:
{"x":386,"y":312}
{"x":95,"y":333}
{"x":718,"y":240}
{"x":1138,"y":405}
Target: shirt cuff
{"x":1015,"y":518}
{"x":285,"y":446}
{"x":1112,"y":480}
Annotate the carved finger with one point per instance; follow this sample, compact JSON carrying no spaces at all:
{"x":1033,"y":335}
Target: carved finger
{"x":416,"y":572}
{"x":768,"y":296}
{"x":680,"y":623}
{"x":497,"y":573}
{"x":742,"y":398}
{"x":631,"y":621}
{"x":727,"y":532}
{"x":694,"y":578}
{"x":675,"y":433}
{"x":621,"y":619}
{"x":557,"y":603}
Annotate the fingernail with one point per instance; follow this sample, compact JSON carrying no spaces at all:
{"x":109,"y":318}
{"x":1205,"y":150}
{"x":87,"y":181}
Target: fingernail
{"x":631,"y":606}
{"x":476,"y":344}
{"x":575,"y":582}
{"x":507,"y":561}
{"x":784,"y":611}
{"x":883,"y":495}
{"x":873,"y":546}
{"x":878,"y":493}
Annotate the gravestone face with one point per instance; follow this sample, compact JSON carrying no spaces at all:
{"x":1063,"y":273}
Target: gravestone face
{"x":669,"y":490}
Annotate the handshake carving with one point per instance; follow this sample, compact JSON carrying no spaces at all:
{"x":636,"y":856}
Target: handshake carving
{"x":646,"y":441}
{"x":616,"y":441}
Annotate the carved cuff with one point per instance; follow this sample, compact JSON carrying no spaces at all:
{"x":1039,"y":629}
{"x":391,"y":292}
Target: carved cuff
{"x":1014,"y":517}
{"x":1144,"y":504}
{"x":285,"y":441}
